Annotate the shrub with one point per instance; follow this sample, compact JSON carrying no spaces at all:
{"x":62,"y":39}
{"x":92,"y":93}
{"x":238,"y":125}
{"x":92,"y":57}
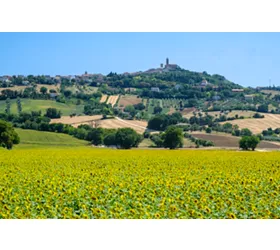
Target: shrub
{"x":208,"y":130}
{"x":258,"y":115}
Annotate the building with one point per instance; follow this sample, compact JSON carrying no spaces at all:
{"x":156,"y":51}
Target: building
{"x":25,"y":82}
{"x":249,"y":97}
{"x":169,"y":66}
{"x":5,"y":78}
{"x":216,"y":98}
{"x":178,"y":86}
{"x":204,"y":83}
{"x":237,"y":90}
{"x":155,"y":89}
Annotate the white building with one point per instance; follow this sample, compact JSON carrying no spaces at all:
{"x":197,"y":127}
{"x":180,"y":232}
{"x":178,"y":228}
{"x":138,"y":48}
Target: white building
{"x":155,"y":89}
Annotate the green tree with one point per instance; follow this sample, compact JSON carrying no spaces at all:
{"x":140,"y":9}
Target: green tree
{"x":139,"y":106}
{"x":157,"y":110}
{"x":157,"y":140}
{"x":127,"y":138}
{"x":208,"y":130}
{"x":43,"y":90}
{"x":173,"y":137}
{"x":96,"y":136}
{"x":8,"y":136}
{"x":130,"y":109}
{"x":157,"y":122}
{"x":53,"y":113}
{"x":19,"y":107}
{"x":110,"y":139}
{"x":8,"y":106}
{"x":263,"y":108}
{"x":245,"y":132}
{"x":67,"y":93}
{"x":249,"y":142}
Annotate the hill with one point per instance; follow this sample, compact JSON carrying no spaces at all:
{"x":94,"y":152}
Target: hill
{"x":32,"y":138}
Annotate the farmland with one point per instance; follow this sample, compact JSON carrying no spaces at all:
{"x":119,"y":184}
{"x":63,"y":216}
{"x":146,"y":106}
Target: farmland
{"x":258,"y":125}
{"x":138,"y":126}
{"x":103,"y":98}
{"x":228,"y":141}
{"x":129,"y":100}
{"x":77,"y":120}
{"x":271,"y":92}
{"x":16,"y":88}
{"x":29,"y":105}
{"x":112,"y":99}
{"x":187,"y":113}
{"x":38,"y":87}
{"x":103,"y":183}
{"x":114,"y":123}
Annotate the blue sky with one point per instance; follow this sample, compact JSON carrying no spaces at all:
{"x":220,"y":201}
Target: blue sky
{"x":249,"y":59}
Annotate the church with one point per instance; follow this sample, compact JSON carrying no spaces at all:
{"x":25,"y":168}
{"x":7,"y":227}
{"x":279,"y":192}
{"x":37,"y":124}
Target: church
{"x":169,"y":66}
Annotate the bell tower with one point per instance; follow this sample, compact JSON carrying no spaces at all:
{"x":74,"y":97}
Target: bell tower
{"x":167,"y":61}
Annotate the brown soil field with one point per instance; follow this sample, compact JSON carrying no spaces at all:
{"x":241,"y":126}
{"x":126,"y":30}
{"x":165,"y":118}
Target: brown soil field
{"x":246,"y":114}
{"x":129,"y":100}
{"x":272,"y":92}
{"x":75,"y":121}
{"x":103,"y":98}
{"x":112,"y":100}
{"x":18,"y":88}
{"x":188,"y":112}
{"x":258,"y":125}
{"x":231,"y":141}
{"x":38,"y":87}
{"x":171,"y":111}
{"x":55,"y":87}
{"x":138,"y":126}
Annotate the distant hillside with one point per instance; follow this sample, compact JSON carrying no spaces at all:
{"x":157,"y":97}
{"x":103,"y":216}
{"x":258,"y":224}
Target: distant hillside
{"x":39,"y":138}
{"x":29,"y":105}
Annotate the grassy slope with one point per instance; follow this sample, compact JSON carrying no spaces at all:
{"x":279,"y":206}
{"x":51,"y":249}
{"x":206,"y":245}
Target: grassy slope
{"x":32,"y":138}
{"x":29,"y":105}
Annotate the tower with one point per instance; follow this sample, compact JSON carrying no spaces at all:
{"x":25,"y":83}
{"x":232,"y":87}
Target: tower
{"x":167,"y":61}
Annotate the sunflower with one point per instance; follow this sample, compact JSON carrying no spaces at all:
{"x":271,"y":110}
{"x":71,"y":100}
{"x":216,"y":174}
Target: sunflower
{"x":174,"y":208}
{"x":157,"y":215}
{"x":208,"y":210}
{"x":232,"y":216}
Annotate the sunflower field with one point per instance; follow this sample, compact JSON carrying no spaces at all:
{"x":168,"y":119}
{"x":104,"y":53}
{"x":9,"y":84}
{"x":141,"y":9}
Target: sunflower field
{"x":138,"y":184}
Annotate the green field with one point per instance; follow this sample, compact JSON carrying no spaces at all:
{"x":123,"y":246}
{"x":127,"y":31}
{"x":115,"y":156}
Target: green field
{"x":29,"y":105}
{"x":33,"y":138}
